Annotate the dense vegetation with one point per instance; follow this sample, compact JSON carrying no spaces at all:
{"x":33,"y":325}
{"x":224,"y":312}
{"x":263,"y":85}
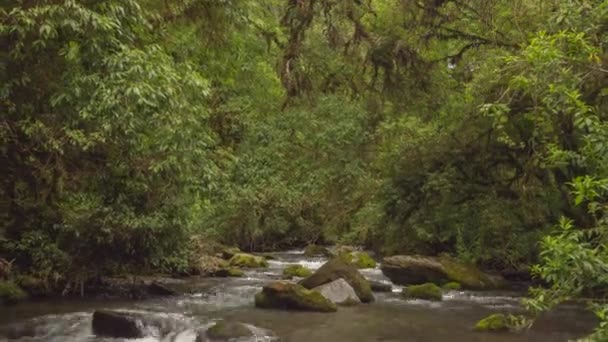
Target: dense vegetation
{"x":470,"y":127}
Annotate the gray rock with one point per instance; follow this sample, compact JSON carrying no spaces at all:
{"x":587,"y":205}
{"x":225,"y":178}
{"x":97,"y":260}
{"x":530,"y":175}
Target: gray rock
{"x":338,"y":291}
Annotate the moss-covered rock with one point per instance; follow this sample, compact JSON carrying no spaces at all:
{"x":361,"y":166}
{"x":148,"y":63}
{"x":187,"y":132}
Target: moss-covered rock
{"x":428,"y":291}
{"x":291,"y":296}
{"x":452,"y":285}
{"x":247,"y":260}
{"x":415,"y":269}
{"x":225,"y":330}
{"x":296,"y":271}
{"x":229,"y":252}
{"x":335,"y":269}
{"x":316,"y":250}
{"x":494,"y":322}
{"x":469,"y":276}
{"x":11,"y":293}
{"x":363,"y":260}
{"x":229,"y":272}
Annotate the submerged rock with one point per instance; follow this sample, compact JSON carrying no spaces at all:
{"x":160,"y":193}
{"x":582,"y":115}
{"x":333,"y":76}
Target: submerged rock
{"x":226,"y":330}
{"x":316,"y":250}
{"x":248,"y":260}
{"x":287,"y":295}
{"x":11,"y":293}
{"x":451,"y":286}
{"x":296,"y":271}
{"x":415,"y":269}
{"x":336,"y":269}
{"x":428,"y":291}
{"x":494,"y":322}
{"x":159,"y":289}
{"x":117,"y":324}
{"x":380,"y":287}
{"x":229,"y":272}
{"x":339,"y":292}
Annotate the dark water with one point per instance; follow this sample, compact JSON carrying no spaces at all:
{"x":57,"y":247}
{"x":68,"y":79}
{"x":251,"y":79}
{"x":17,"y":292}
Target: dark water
{"x":390,"y":318}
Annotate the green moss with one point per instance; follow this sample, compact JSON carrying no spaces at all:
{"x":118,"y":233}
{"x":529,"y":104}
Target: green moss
{"x":229,"y":252}
{"x":316,"y":250}
{"x":235,"y":272}
{"x":347,"y":257}
{"x":247,"y":260}
{"x":469,"y":276}
{"x":11,"y":293}
{"x":225,"y":330}
{"x":494,"y":322}
{"x":286,"y":295}
{"x":452,"y":286}
{"x":296,"y":271}
{"x":428,"y":291}
{"x":363,"y":260}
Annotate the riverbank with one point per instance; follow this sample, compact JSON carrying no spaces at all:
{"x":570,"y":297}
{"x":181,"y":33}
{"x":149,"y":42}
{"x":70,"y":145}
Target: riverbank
{"x":390,"y":318}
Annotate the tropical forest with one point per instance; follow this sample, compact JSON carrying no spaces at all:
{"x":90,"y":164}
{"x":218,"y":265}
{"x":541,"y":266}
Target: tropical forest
{"x":304,"y":170}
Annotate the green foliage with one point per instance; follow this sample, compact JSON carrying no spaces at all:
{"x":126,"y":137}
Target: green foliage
{"x":11,"y":293}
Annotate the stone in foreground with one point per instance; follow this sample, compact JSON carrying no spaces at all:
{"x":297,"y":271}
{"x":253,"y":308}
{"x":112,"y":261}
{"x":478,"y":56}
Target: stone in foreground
{"x":117,"y":324}
{"x":428,"y":291}
{"x":415,"y":269}
{"x":339,"y":292}
{"x":336,"y":269}
{"x":290,"y":296}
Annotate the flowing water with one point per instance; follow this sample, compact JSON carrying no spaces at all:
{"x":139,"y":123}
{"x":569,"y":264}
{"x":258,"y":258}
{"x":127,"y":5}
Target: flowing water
{"x":389,"y":318}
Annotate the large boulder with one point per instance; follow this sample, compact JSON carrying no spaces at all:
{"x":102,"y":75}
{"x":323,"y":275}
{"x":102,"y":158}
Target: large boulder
{"x":117,"y":324}
{"x":291,"y":296}
{"x":415,"y":269}
{"x":247,"y":260}
{"x":339,"y":292}
{"x":335,"y":269}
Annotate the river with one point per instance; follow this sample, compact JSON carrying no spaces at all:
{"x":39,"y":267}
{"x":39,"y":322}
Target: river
{"x":389,"y":318}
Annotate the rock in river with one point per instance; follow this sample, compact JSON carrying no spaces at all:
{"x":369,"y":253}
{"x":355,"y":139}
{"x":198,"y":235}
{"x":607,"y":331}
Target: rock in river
{"x":339,"y":292}
{"x":248,"y":260}
{"x":117,"y":324}
{"x":291,"y":296}
{"x":336,"y":269}
{"x":415,"y":269}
